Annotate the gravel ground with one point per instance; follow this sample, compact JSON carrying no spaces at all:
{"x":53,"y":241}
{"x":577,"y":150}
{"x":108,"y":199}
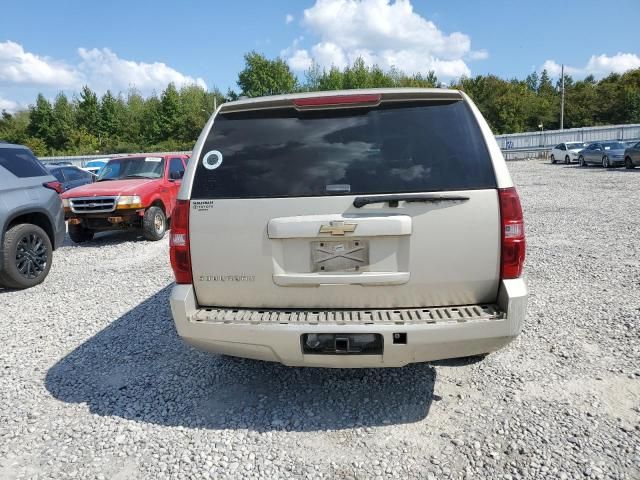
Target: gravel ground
{"x":95,"y":383}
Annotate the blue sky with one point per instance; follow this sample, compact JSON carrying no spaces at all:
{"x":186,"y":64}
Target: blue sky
{"x":50,"y":45}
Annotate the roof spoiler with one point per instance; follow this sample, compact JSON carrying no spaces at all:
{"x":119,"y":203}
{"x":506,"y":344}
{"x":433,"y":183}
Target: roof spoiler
{"x":340,"y":98}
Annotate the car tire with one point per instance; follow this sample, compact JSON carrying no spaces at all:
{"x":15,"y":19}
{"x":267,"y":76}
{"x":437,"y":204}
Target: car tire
{"x":28,"y":254}
{"x":628,"y":164}
{"x":567,"y":160}
{"x":553,"y":159}
{"x":581,"y":161}
{"x":605,"y":162}
{"x":80,"y":234}
{"x":154,"y":224}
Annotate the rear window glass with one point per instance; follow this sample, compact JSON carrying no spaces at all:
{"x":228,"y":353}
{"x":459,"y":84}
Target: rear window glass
{"x":21,"y":162}
{"x":57,"y":172}
{"x":389,"y":149}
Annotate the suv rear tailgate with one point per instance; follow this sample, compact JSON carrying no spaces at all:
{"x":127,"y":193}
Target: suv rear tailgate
{"x":450,"y":256}
{"x":273,"y":222}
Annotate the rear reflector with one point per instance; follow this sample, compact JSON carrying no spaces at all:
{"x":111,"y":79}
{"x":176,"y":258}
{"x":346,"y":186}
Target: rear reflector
{"x":513,"y":241}
{"x":337,"y":100}
{"x":57,"y":186}
{"x":179,"y":250}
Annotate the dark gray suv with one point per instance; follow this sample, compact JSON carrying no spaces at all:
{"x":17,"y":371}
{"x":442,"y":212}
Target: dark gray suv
{"x":31,"y":218}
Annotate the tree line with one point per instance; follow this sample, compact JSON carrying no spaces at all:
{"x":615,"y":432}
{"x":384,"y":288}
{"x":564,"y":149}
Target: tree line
{"x":172,"y":120}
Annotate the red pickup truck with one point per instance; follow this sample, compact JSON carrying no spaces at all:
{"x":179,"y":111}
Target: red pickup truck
{"x":135,"y":192}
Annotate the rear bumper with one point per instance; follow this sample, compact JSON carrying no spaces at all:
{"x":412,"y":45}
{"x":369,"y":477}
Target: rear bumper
{"x":278,"y":342}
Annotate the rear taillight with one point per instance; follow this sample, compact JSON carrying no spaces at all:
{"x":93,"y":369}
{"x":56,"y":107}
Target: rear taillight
{"x":57,"y":186}
{"x":513,"y":242}
{"x":179,"y":251}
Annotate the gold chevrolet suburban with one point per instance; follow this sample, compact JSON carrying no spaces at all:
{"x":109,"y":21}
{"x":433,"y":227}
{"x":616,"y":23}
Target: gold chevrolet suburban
{"x":360,"y":228}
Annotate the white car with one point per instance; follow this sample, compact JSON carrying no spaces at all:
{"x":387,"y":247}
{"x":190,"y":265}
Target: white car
{"x":566,"y":152}
{"x":361,"y":228}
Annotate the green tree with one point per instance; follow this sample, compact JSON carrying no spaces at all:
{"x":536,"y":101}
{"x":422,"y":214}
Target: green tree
{"x":196,"y":106}
{"x":356,"y":75}
{"x":262,"y":76}
{"x":169,"y":112}
{"x":83,"y":143}
{"x":151,"y":128}
{"x":13,"y":127}
{"x":333,"y":80}
{"x":41,"y":121}
{"x":108,"y":123}
{"x":88,"y":111}
{"x":37,"y":146}
{"x":63,"y":122}
{"x":532,"y":81}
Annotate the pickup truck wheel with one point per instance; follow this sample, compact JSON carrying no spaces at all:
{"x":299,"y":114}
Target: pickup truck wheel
{"x":154,"y":224}
{"x":79,"y":234}
{"x":27,"y":256}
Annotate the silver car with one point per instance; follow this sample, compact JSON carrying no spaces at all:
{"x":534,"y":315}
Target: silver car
{"x":363,"y":228}
{"x":608,"y":154}
{"x":31,"y":218}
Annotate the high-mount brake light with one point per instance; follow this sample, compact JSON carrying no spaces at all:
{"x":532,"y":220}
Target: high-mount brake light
{"x":179,"y":249}
{"x":328,"y":101}
{"x":513,"y":239}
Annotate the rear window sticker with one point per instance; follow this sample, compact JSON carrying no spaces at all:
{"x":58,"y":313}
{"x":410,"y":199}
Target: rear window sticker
{"x":212,"y":160}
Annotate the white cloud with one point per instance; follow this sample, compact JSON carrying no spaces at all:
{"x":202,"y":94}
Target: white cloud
{"x":388,"y":33}
{"x":101,"y":69}
{"x":104,"y":70}
{"x":300,"y":60}
{"x":598,"y":65}
{"x":18,"y":66}
{"x":288,"y":19}
{"x":619,"y":63}
{"x":554,"y":69}
{"x":9,"y":105}
{"x":478,"y":55}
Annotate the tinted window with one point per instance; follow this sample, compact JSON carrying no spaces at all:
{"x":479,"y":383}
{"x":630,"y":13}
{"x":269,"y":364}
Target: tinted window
{"x":176,"y":166}
{"x":21,"y":163}
{"x":57,"y":172}
{"x":562,"y":147}
{"x":73,"y":174}
{"x":613,"y":146}
{"x":389,"y":149}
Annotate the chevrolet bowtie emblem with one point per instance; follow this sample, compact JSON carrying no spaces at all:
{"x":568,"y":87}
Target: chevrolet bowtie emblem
{"x":338,"y":228}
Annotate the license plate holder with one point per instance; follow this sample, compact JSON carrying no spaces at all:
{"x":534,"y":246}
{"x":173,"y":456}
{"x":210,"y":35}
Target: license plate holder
{"x":339,"y":255}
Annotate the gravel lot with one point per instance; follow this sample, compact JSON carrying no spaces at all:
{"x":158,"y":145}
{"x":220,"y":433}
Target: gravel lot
{"x":96,"y":384}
